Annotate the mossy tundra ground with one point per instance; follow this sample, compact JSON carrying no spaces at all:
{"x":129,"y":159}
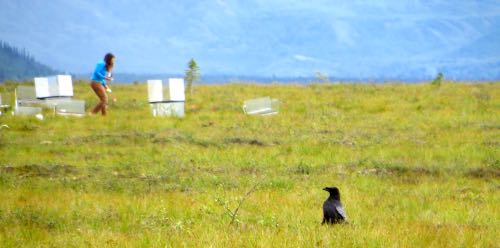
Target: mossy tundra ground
{"x":418,"y":165}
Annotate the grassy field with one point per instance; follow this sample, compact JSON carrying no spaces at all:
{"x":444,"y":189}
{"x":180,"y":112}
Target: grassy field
{"x":417,"y":166}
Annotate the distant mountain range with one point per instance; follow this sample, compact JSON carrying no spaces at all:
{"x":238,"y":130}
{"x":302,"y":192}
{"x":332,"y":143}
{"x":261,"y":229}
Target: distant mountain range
{"x":18,"y":64}
{"x":349,"y":40}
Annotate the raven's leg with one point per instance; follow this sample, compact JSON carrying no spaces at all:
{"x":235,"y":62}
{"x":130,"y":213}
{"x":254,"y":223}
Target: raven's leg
{"x":323,"y":222}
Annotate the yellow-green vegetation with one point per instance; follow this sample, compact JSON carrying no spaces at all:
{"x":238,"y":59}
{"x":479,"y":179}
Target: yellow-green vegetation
{"x":417,"y":166}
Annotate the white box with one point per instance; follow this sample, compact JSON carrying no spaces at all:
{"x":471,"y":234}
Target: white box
{"x":261,"y":106}
{"x":155,"y":90}
{"x":168,"y":109}
{"x":176,"y":88}
{"x":54,"y":86}
{"x":64,"y":83}
{"x":174,"y":91}
{"x":72,"y":107}
{"x":42,"y":87}
{"x":21,"y":110}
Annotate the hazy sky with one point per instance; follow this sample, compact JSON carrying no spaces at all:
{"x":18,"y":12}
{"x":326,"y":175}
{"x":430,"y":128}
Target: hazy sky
{"x":260,"y":37}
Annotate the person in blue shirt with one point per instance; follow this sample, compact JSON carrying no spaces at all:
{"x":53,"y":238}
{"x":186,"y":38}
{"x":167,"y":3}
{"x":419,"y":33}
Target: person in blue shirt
{"x":100,"y":77}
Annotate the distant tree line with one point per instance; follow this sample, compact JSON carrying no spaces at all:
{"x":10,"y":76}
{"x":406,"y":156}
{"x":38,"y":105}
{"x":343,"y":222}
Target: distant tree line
{"x":16,"y":64}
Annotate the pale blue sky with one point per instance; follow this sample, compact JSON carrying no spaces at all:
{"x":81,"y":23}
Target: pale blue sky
{"x":383,"y":38}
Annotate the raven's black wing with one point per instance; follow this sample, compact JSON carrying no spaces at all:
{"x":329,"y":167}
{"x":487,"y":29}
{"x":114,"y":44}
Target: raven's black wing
{"x":329,"y":209}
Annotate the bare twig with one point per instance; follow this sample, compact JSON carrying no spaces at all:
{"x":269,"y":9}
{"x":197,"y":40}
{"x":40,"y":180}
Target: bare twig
{"x":235,"y":212}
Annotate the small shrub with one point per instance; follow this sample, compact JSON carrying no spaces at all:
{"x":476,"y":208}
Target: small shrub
{"x":438,"y":80}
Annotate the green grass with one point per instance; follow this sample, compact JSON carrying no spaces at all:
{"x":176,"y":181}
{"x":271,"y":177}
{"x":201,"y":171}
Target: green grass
{"x":417,"y":166}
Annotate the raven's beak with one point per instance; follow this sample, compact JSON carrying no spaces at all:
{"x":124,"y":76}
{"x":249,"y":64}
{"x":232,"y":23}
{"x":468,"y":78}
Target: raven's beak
{"x":325,"y":189}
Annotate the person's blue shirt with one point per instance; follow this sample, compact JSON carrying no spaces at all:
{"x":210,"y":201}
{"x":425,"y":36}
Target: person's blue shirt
{"x":100,"y":73}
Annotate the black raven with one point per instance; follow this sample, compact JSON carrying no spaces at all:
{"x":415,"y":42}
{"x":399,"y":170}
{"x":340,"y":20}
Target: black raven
{"x":333,"y":211}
